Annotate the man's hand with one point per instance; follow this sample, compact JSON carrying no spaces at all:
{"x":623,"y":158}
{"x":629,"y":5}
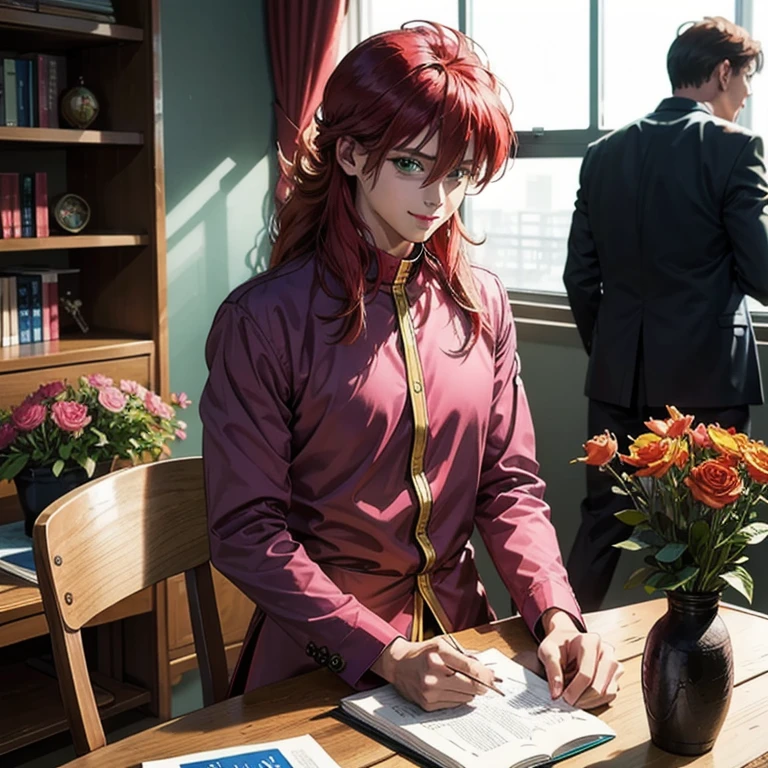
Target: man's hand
{"x":424,"y":673}
{"x":579,"y":666}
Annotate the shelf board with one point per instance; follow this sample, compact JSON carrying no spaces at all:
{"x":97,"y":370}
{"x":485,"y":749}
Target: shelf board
{"x":83,"y":348}
{"x":15,"y":244}
{"x":67,"y":28}
{"x":34,"y":709}
{"x":69,"y":136}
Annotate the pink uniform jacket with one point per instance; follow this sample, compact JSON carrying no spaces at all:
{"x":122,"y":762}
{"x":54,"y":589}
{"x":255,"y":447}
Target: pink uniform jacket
{"x":344,"y":480}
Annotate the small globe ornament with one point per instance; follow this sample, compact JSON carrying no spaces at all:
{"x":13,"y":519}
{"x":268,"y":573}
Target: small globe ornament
{"x":79,"y":106}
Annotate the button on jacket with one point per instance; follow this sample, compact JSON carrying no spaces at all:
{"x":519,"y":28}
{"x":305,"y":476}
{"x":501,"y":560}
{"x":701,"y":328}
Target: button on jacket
{"x":344,"y":480}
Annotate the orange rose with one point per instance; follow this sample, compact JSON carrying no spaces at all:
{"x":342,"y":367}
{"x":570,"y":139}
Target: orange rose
{"x":654,"y":455}
{"x":756,"y":460}
{"x":715,"y":483}
{"x":726,"y":442}
{"x":675,"y":426}
{"x":600,"y":450}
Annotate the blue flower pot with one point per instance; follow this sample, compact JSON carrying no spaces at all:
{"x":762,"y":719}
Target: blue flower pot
{"x":37,"y":487}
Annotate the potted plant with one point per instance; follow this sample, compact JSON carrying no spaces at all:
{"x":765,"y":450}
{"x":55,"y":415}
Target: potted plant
{"x":692,"y":496}
{"x":62,"y":435}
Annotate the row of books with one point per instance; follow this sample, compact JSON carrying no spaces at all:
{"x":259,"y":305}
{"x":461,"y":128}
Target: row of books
{"x":24,"y":205}
{"x":91,"y":10}
{"x":31,"y":87}
{"x":29,"y":304}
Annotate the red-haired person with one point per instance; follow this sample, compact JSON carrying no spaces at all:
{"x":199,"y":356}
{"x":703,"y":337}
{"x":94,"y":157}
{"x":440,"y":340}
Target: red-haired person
{"x":364,"y":409}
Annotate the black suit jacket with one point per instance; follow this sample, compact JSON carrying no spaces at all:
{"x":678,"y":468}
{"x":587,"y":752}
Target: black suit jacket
{"x":669,"y":233}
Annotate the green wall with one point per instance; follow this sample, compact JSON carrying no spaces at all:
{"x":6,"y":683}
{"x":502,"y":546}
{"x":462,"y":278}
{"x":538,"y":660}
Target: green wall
{"x":219,"y":170}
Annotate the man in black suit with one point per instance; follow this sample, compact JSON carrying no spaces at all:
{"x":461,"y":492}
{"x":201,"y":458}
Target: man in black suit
{"x":669,"y":234}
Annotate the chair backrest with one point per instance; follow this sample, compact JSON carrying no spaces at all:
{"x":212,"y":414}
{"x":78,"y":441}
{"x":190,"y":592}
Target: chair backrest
{"x":109,"y":539}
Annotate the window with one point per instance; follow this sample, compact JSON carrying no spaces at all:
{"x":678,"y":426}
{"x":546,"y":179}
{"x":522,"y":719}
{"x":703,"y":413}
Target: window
{"x":635,"y":39}
{"x":575,"y":69}
{"x":543,"y":63}
{"x":525,"y":217}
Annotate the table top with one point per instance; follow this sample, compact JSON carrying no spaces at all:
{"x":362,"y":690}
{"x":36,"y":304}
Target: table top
{"x":305,"y":705}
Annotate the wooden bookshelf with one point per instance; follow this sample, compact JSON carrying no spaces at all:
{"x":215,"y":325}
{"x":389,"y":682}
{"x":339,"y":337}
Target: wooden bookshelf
{"x":69,"y":136}
{"x":117,"y":166}
{"x":57,"y":242}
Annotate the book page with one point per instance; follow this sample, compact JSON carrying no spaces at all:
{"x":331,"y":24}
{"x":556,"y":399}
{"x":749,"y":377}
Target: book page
{"x":299,"y":752}
{"x":519,"y":728}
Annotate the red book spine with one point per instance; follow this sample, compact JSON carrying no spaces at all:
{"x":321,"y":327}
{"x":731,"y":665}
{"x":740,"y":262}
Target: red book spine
{"x":42,"y":228}
{"x":15,"y":204}
{"x":6,"y":204}
{"x":54,"y":305}
{"x":43,"y":115}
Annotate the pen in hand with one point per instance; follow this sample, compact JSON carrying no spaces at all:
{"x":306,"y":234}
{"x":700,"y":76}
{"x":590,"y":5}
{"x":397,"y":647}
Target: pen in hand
{"x":457,"y":647}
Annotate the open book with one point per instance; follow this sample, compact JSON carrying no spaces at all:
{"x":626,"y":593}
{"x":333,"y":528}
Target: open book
{"x":522,"y":729}
{"x":16,"y":552}
{"x":299,"y":752}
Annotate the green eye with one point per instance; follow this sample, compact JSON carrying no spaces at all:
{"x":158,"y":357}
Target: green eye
{"x":459,"y":174}
{"x":407,"y":165}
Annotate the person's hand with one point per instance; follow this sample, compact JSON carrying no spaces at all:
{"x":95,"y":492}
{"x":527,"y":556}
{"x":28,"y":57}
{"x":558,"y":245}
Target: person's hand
{"x":579,"y":665}
{"x":424,"y":673}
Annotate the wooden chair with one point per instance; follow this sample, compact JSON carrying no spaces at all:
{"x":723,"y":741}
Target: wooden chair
{"x":109,"y":539}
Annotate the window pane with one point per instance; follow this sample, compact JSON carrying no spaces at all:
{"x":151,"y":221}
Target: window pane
{"x":526,"y":217}
{"x":382,"y":15}
{"x":541,"y":52}
{"x":759,"y":97}
{"x":636,"y":37}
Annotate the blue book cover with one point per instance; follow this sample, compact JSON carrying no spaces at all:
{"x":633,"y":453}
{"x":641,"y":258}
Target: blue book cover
{"x":24,"y":307}
{"x":265,"y":758}
{"x":24,"y":92}
{"x":36,"y":306}
{"x":16,"y":555}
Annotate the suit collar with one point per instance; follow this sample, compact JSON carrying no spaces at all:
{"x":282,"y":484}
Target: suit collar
{"x":679,"y":104}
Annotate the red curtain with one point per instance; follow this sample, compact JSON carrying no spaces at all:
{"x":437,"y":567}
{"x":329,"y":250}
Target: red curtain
{"x":304,"y":44}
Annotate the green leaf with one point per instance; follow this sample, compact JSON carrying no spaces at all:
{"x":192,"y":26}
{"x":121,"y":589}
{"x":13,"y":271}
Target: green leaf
{"x":751,"y":534}
{"x":58,"y":467}
{"x":638,"y":577}
{"x":65,"y":451}
{"x":620,"y":491}
{"x":13,"y":465}
{"x":742,"y":559}
{"x":740,"y":580}
{"x":88,"y":464}
{"x":631,"y":545}
{"x":698,"y":537}
{"x":678,"y":579}
{"x":670,"y":552}
{"x":631,"y":516}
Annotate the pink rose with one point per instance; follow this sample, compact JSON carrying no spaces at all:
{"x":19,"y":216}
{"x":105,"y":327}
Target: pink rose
{"x":181,"y":434}
{"x":131,"y":387}
{"x":28,"y":416}
{"x":155,"y":405}
{"x":47,"y":391}
{"x":181,"y":399}
{"x":98,"y":380}
{"x":7,"y":435}
{"x":70,"y":417}
{"x":112,"y":399}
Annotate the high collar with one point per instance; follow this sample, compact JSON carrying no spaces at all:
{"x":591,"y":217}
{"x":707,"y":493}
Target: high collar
{"x":680,"y":104}
{"x":391,"y":269}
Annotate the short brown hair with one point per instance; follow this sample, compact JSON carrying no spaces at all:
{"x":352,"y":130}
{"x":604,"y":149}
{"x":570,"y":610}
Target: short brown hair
{"x":697,"y":50}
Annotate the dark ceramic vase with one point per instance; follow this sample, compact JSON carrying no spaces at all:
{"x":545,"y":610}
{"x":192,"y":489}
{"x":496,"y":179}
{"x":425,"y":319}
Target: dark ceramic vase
{"x":37,"y":487}
{"x":687,"y":674}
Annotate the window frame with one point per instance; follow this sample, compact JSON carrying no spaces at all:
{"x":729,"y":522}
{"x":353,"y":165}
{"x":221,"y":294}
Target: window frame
{"x":545,"y":316}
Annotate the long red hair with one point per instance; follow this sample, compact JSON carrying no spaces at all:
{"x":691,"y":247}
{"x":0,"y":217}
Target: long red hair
{"x":383,"y":94}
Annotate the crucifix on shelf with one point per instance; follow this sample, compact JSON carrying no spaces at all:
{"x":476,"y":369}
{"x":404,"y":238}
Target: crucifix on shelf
{"x":72,"y":306}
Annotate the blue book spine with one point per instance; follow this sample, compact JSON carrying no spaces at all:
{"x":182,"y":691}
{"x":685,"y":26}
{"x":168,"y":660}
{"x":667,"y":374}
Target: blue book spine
{"x":23,"y":91}
{"x":24,"y":306}
{"x":36,"y":306}
{"x":28,"y":212}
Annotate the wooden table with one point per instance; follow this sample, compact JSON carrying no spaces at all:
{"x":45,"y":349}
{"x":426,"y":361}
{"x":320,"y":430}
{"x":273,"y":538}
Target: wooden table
{"x":304,"y":705}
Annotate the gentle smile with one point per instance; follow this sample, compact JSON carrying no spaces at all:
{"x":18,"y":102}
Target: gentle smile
{"x":423,"y":218}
